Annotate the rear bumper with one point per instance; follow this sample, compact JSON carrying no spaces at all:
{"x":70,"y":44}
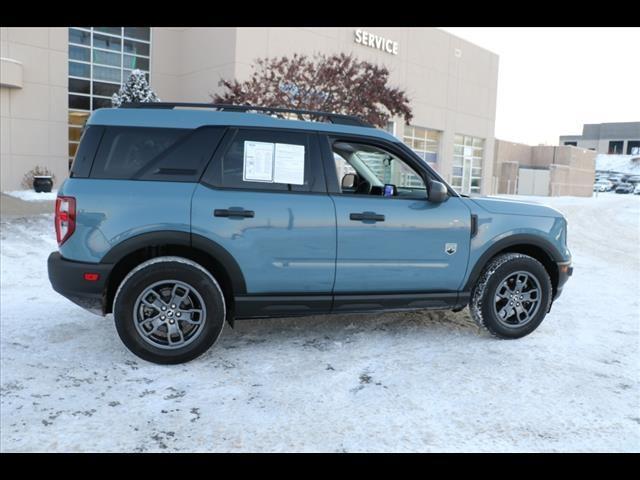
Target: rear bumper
{"x":68,"y":279}
{"x":565,"y":270}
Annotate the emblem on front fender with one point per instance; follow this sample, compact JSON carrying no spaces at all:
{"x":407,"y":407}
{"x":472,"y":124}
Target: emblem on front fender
{"x":450,"y":248}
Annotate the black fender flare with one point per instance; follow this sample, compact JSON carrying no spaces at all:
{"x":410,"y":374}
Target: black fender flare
{"x":185,"y":239}
{"x":516,"y":240}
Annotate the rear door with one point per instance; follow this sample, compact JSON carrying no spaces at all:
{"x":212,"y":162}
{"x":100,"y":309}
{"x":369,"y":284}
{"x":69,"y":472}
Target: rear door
{"x":263,"y":199}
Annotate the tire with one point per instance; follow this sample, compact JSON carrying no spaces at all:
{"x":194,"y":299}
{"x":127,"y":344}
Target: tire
{"x":496,"y":306}
{"x":169,"y":294}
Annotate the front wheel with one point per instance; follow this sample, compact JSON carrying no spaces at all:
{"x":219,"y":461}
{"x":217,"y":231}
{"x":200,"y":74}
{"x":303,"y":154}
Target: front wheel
{"x":512,"y":296}
{"x":169,"y":310}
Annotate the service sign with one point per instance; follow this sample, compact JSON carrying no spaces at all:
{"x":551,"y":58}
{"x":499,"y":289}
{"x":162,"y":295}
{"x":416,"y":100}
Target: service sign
{"x":376,"y":41}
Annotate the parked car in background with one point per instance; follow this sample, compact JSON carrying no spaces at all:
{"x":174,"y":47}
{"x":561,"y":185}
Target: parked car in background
{"x":636,"y":191}
{"x":603,"y":186}
{"x":615,"y":178}
{"x":635,"y":179}
{"x":625,"y":188}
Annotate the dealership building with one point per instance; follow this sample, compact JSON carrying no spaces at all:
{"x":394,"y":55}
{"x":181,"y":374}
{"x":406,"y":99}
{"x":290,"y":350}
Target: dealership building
{"x":52,"y":78}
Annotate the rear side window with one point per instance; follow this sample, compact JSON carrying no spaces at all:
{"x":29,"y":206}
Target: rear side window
{"x":124,"y":151}
{"x":253,"y":159}
{"x":185,"y":160}
{"x":165,"y":154}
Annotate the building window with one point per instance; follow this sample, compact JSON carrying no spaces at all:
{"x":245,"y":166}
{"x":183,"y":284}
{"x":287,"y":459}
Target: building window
{"x":424,"y":142}
{"x":100,"y":60}
{"x":571,"y":144}
{"x":616,"y":147}
{"x":391,"y":127}
{"x":466,"y":175}
{"x":633,"y":147}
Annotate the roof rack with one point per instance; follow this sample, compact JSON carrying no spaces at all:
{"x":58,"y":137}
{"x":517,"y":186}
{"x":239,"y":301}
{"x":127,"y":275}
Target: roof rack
{"x":330,"y":117}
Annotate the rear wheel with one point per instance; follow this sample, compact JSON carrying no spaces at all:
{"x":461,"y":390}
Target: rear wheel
{"x":512,"y":296}
{"x":169,"y":310}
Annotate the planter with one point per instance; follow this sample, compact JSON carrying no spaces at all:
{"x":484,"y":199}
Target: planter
{"x":42,"y":183}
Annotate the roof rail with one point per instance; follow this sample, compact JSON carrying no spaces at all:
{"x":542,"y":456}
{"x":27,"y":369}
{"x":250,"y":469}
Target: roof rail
{"x":330,"y":117}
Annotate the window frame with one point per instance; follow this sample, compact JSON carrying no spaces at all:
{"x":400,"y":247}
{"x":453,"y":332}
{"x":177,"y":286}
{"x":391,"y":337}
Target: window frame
{"x":399,"y":148}
{"x":468,"y":141}
{"x":615,"y":143}
{"x":85,"y":39}
{"x":427,"y":142}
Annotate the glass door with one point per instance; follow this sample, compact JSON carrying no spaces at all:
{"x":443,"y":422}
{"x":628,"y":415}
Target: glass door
{"x":466,"y":174}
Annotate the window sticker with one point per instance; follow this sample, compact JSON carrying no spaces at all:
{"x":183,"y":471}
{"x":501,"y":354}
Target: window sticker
{"x":258,"y":161}
{"x":289,"y":164}
{"x":273,"y":163}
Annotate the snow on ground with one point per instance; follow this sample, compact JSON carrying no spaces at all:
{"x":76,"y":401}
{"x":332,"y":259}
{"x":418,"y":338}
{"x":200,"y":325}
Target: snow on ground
{"x":33,"y":196}
{"x":618,"y":163}
{"x":388,"y":382}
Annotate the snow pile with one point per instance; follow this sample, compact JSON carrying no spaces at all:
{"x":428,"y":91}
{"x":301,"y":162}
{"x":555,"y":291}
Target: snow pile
{"x":33,"y":196}
{"x":419,"y":381}
{"x":618,"y":163}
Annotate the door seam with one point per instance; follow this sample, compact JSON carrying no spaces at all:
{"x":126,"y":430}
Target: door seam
{"x":335,"y":260}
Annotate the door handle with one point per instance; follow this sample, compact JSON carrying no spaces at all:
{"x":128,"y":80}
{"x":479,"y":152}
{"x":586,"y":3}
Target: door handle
{"x":367,"y":217}
{"x":233,"y":212}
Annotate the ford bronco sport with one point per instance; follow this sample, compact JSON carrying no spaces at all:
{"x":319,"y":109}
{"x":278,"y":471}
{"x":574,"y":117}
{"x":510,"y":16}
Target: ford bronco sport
{"x":177,"y":218}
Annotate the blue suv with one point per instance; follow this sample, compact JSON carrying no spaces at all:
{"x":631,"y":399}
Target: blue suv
{"x":177,"y":218}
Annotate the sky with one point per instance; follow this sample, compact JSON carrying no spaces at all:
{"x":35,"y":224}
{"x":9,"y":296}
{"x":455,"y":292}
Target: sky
{"x":551,"y":81}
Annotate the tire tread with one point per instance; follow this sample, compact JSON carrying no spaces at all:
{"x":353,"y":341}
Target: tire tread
{"x":478,"y":293}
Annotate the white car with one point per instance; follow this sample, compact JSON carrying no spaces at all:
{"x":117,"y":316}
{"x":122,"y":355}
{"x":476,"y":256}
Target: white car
{"x":602,"y":186}
{"x":636,"y":191}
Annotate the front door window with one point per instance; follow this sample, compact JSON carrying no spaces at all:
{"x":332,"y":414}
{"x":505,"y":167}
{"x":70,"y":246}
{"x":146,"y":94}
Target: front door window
{"x":370,"y":170}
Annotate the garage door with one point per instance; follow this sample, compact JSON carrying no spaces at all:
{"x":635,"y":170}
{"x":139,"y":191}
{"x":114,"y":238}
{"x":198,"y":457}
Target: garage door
{"x":533,"y":182}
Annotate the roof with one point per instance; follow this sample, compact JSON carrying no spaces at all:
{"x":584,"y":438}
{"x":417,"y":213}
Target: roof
{"x":606,"y":131}
{"x":194,"y":118}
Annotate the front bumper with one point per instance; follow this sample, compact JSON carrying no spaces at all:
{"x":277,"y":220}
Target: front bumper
{"x":565,"y":270}
{"x":68,"y":279}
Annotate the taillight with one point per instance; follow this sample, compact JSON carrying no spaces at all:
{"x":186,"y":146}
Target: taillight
{"x":65,"y":218}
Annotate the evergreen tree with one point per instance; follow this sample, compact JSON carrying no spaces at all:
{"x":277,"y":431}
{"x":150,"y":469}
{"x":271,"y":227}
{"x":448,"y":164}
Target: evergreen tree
{"x":135,"y":89}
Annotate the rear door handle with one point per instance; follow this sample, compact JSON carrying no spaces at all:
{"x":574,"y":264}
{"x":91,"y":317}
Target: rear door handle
{"x":367,"y":217}
{"x":233,"y":212}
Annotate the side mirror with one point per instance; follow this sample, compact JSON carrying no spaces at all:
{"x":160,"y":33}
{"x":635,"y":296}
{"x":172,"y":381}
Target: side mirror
{"x":349,"y":181}
{"x":437,"y":192}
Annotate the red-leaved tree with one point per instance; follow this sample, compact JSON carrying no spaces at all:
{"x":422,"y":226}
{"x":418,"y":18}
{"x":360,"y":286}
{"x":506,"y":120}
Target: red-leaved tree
{"x":336,"y":84}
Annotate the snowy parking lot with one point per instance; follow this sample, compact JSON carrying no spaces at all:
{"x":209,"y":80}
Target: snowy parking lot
{"x":426,"y":381}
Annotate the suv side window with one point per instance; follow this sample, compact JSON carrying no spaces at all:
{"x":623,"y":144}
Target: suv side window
{"x":185,"y":160}
{"x":228,"y":169}
{"x":138,"y":153}
{"x":364,"y":169}
{"x":124,"y":151}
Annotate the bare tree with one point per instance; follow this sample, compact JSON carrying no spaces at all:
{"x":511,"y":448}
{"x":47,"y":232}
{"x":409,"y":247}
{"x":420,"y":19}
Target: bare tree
{"x":337,"y":84}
